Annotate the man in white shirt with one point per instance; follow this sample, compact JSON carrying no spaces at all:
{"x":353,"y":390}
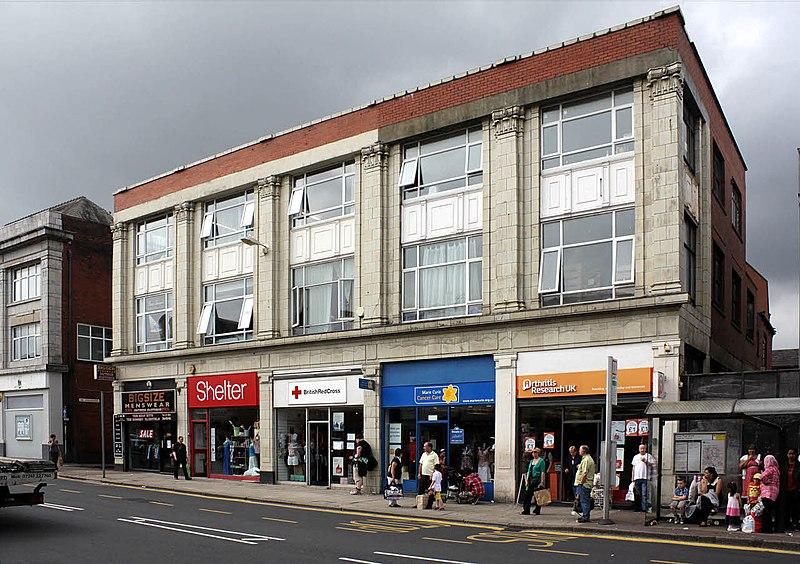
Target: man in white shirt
{"x":427,"y":460}
{"x":643,"y":464}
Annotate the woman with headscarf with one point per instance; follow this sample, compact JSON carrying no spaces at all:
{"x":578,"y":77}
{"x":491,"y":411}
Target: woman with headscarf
{"x":770,"y":487}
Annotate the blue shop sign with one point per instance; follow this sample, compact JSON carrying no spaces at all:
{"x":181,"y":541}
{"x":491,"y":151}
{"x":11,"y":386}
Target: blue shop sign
{"x":464,"y":393}
{"x":456,"y":436}
{"x":436,"y":395}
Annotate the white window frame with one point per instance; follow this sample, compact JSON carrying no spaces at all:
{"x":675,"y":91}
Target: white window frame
{"x":209,"y":231}
{"x":205,"y":325}
{"x":298,"y":202}
{"x":144,"y":229}
{"x":26,"y":282}
{"x":31,"y":335}
{"x":85,"y":333}
{"x":169,"y":314}
{"x":299,"y":298}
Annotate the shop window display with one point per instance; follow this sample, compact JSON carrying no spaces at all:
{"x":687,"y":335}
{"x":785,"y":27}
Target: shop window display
{"x":149,"y":444}
{"x":291,"y":424}
{"x":232,"y":434}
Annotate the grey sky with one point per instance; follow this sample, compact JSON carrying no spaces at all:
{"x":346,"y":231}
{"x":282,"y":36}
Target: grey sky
{"x":95,"y":96}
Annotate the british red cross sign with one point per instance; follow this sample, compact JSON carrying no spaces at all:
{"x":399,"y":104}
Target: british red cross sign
{"x":296,"y":392}
{"x":315,"y":391}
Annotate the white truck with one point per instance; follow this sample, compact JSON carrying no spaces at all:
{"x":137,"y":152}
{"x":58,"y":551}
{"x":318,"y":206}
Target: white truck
{"x":19,"y":471}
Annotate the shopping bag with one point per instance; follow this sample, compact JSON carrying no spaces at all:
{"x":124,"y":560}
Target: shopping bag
{"x":422,"y":500}
{"x":542,"y":497}
{"x":748,"y":524}
{"x":60,"y":461}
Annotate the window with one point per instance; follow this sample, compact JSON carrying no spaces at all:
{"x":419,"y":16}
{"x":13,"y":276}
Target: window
{"x":587,"y":258}
{"x":719,"y":175}
{"x":227,"y":314}
{"x":736,"y":299}
{"x":227,"y":221}
{"x":690,"y":256}
{"x":690,"y":135}
{"x":443,"y":163}
{"x":322,"y":297}
{"x":736,"y":208}
{"x":323,"y":194}
{"x":26,"y":282}
{"x":443,"y":279}
{"x":751,"y":315}
{"x":154,"y":240}
{"x":718,"y":289}
{"x":589,"y":128}
{"x":26,"y":341}
{"x":94,"y":343}
{"x":154,"y":322}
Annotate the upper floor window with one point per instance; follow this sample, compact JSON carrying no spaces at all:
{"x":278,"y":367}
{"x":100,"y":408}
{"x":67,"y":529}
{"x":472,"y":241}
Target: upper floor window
{"x":442,"y":163}
{"x":228,"y":220}
{"x":26,"y":282}
{"x":718,"y":274}
{"x":154,"y":240}
{"x":94,"y":343}
{"x":227,"y":314}
{"x":751,"y":315}
{"x":322,"y":297}
{"x":736,"y":299}
{"x":26,"y":341}
{"x":587,"y":258}
{"x":154,"y":322}
{"x":690,"y":124}
{"x":443,"y":279}
{"x":690,"y":256}
{"x":718,"y":174}
{"x":589,"y":128}
{"x":323,"y":194}
{"x":736,"y":208}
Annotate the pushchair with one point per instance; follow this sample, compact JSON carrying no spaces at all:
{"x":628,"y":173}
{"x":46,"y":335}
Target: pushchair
{"x":456,"y":484}
{"x":468,"y":489}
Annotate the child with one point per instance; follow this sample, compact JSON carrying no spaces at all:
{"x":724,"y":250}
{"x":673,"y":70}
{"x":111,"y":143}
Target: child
{"x":733,"y":512}
{"x":679,"y":500}
{"x":436,"y":485}
{"x":753,"y":495}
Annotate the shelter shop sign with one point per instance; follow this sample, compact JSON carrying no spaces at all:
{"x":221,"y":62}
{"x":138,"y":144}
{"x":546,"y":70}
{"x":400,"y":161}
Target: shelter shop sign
{"x":161,"y":401}
{"x":223,"y":390}
{"x":585,"y":383}
{"x":316,"y":392}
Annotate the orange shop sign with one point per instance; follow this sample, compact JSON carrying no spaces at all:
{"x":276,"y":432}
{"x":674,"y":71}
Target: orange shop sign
{"x":585,"y":383}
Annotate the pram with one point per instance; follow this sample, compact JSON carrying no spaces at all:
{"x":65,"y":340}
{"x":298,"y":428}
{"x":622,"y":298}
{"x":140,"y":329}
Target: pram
{"x":467,"y":489}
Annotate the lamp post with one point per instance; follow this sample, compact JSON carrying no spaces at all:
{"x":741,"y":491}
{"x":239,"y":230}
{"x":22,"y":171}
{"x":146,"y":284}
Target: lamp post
{"x":253,"y":242}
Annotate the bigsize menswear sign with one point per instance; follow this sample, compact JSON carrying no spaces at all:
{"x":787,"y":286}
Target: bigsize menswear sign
{"x":223,"y":390}
{"x":157,"y":401}
{"x":316,"y":392}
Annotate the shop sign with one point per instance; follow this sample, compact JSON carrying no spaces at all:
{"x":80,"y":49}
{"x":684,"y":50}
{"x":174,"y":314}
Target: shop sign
{"x":586,"y":383}
{"x":311,"y":392}
{"x":436,"y":395}
{"x":139,"y":417}
{"x":456,"y":436}
{"x":548,"y":440}
{"x":117,"y":436}
{"x":105,"y":372}
{"x":157,"y":401}
{"x":223,"y":390}
{"x":463,"y":393}
{"x":366,"y":384}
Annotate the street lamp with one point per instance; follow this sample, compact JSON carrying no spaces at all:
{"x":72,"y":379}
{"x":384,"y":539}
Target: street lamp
{"x":253,"y":242}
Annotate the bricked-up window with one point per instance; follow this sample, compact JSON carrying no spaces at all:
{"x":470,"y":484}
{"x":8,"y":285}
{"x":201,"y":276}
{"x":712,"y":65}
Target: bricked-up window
{"x":718,"y":274}
{"x":228,"y":220}
{"x":736,"y":208}
{"x":587,"y":258}
{"x":155,"y":240}
{"x":588,"y":128}
{"x":26,"y":341}
{"x":442,"y":163}
{"x":690,"y":257}
{"x":718,"y":175}
{"x":736,"y":299}
{"x":443,"y":279}
{"x":154,"y":322}
{"x":751,"y":315}
{"x":322,"y":297}
{"x":323,"y":194}
{"x":690,"y":125}
{"x":94,"y":342}
{"x":227,"y":314}
{"x":26,"y":282}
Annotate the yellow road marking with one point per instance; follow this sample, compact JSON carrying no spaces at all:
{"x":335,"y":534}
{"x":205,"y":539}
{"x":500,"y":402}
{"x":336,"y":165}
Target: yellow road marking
{"x":216,"y":511}
{"x":446,"y":540}
{"x":667,"y":562}
{"x":560,"y":552}
{"x":279,"y":520}
{"x":357,"y":530}
{"x":69,"y":491}
{"x":514,"y":536}
{"x":109,"y":496}
{"x":161,"y":503}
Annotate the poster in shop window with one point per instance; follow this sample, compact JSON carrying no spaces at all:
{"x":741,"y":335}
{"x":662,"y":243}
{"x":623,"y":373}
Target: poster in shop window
{"x":618,"y":431}
{"x":338,"y":466}
{"x":338,"y":421}
{"x":529,"y":443}
{"x":548,"y":440}
{"x":632,"y":428}
{"x":644,"y":427}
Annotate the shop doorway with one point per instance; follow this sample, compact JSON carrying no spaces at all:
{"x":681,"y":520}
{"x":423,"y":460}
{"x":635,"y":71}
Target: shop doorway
{"x":434,"y":432}
{"x":199,"y":448}
{"x":318,"y":452}
{"x":148,"y":445}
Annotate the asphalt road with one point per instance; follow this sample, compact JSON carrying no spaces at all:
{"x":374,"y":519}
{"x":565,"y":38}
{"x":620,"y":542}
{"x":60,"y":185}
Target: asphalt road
{"x":88,"y":522}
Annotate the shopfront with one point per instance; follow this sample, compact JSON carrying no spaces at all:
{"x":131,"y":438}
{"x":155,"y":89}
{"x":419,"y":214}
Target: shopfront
{"x":316,"y":423}
{"x":560,"y":402}
{"x":148,"y":425}
{"x":224,"y":431}
{"x":447,"y":402}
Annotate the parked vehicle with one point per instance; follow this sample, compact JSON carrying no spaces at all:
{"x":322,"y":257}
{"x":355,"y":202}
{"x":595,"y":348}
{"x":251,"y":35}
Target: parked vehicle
{"x":16,"y":472}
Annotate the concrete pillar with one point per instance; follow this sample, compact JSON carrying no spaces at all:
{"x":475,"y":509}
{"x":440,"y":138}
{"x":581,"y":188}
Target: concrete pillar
{"x":5,"y":338}
{"x":185,"y":290}
{"x":182,"y":411}
{"x":373,"y":483}
{"x":121,"y":309}
{"x":373,"y":236}
{"x":505,"y":427}
{"x":666,"y":360}
{"x":268,"y":269}
{"x":267,"y":426}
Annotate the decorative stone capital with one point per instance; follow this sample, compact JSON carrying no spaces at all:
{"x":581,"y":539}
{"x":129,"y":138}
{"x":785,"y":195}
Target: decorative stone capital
{"x":507,"y":121}
{"x":184,"y":211}
{"x":665,"y":80}
{"x":374,"y":156}
{"x":119,"y":231}
{"x":269,"y":187}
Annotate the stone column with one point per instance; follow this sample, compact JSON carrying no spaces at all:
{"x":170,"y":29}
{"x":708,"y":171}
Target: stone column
{"x":503,"y":236}
{"x":122,"y":318}
{"x":505,"y":427}
{"x":267,"y":426}
{"x":184,"y":290}
{"x":184,"y":417}
{"x":666,"y":360}
{"x":373,"y":483}
{"x":267,"y":266}
{"x":373,"y":235}
{"x":5,"y":338}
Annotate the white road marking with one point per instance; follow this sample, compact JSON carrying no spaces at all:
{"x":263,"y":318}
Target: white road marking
{"x":242,"y":538}
{"x":357,"y":561}
{"x":423,"y":558}
{"x":60,"y":507}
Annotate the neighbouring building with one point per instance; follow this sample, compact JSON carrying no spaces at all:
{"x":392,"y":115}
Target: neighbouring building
{"x":55,"y":299}
{"x":453,"y":263}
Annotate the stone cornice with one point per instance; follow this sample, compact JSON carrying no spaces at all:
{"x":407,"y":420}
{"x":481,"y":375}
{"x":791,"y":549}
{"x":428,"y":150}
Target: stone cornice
{"x":507,"y":121}
{"x":665,"y":80}
{"x":119,"y":231}
{"x":268,"y":187}
{"x":375,"y":156}
{"x":184,"y":211}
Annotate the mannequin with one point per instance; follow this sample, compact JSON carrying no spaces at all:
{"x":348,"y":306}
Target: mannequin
{"x":483,"y":464}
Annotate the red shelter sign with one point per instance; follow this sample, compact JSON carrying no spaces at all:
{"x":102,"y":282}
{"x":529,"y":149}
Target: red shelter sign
{"x":223,"y":390}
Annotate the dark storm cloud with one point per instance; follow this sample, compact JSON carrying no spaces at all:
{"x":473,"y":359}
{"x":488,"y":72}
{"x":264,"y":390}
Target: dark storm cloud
{"x":96,"y":96}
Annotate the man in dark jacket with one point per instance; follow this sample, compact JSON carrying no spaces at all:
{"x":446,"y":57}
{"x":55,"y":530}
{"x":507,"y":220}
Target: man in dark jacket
{"x":573,"y":459}
{"x":179,"y":458}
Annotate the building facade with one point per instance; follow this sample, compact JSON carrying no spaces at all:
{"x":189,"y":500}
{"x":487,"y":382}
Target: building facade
{"x":454,"y":264}
{"x":55,"y":298}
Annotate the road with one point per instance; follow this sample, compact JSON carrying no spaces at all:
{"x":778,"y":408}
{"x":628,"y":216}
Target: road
{"x":89,"y":522}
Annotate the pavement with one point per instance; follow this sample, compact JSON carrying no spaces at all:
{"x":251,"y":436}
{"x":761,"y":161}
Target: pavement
{"x":555,"y":517}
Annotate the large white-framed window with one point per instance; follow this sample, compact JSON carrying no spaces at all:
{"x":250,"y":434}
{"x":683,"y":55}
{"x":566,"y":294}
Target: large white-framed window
{"x":154,"y":322}
{"x":589,"y":128}
{"x":26,"y":341}
{"x":443,"y":279}
{"x":322,"y":297}
{"x":26,"y":282}
{"x":587,"y":258}
{"x":323,"y":194}
{"x":442,"y":163}
{"x":155,"y":239}
{"x":227,"y":220}
{"x":94,"y":342}
{"x":227,"y":314}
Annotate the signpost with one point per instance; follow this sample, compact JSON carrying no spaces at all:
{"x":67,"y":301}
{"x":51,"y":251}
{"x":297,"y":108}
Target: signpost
{"x":609,"y":471}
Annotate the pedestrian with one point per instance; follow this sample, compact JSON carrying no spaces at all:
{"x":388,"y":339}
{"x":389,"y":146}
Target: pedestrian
{"x":584,"y":477}
{"x":749,"y":464}
{"x":443,"y":462}
{"x":427,"y":461}
{"x":770,"y":488}
{"x":54,"y":450}
{"x":179,"y":459}
{"x":733,"y":511}
{"x":643,"y":464}
{"x":361,"y":461}
{"x":533,"y":482}
{"x":708,"y":498}
{"x":436,"y":487}
{"x":792,"y":490}
{"x":679,"y":499}
{"x":573,"y":459}
{"x":395,"y":475}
